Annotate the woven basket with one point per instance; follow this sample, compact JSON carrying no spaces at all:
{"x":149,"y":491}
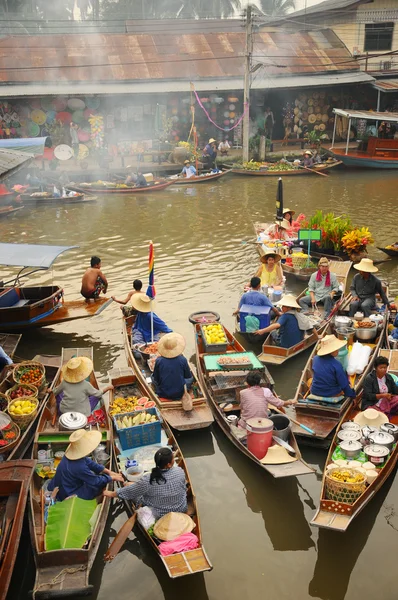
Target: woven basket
{"x":300,"y":262}
{"x":14,"y":427}
{"x":25,"y":386}
{"x":22,"y":367}
{"x":23,"y":420}
{"x":340,"y":491}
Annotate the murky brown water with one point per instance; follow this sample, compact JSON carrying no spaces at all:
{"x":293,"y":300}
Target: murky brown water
{"x":255,"y":529}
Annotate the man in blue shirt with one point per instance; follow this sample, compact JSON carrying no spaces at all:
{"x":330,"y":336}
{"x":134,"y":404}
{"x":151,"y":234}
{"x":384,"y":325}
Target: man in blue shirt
{"x":210,"y":154}
{"x":188,"y":170}
{"x":171,"y":373}
{"x":329,"y":378}
{"x":254,"y":297}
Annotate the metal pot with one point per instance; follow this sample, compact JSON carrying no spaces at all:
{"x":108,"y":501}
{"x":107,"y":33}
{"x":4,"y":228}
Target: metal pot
{"x":376,"y":454}
{"x":351,"y":449}
{"x":380,"y":438}
{"x":346,"y":333}
{"x":391,"y":429}
{"x":71,"y":421}
{"x":349,"y":435}
{"x":366,"y":431}
{"x":351,"y":425}
{"x":281,"y":426}
{"x":342,"y":322}
{"x":366,"y":334}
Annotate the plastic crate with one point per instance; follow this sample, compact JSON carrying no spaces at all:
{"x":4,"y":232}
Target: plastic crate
{"x":139,"y":435}
{"x":263,"y":314}
{"x":210,"y":348}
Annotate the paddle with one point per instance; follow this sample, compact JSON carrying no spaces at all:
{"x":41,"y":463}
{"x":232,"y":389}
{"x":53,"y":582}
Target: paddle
{"x":120,"y":538}
{"x":294,"y":421}
{"x":312,"y":171}
{"x":8,"y":519}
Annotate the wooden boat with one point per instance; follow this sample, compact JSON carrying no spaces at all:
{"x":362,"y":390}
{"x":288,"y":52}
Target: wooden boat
{"x":40,"y":306}
{"x":321,"y":167}
{"x":29,"y":199}
{"x":15,"y":477}
{"x":201,"y":415}
{"x":276,"y":355}
{"x":182,"y":563}
{"x":389,"y":251}
{"x":204,"y":178}
{"x":6,"y":211}
{"x":323,"y":419}
{"x":224,"y":387}
{"x":62,"y":573}
{"x":339,"y":515}
{"x":111,"y":188}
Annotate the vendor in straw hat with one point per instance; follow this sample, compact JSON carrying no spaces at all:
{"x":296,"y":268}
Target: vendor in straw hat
{"x":210,"y":154}
{"x":78,"y":475}
{"x":171,"y":372}
{"x":270,"y":272}
{"x":142,"y":332}
{"x":164,"y":490}
{"x":291,"y":326}
{"x":277,"y":231}
{"x":308,"y":159}
{"x":379,"y":389}
{"x":188,"y":169}
{"x":75,"y":393}
{"x":364,"y":288}
{"x":323,"y":286}
{"x":329,"y":378}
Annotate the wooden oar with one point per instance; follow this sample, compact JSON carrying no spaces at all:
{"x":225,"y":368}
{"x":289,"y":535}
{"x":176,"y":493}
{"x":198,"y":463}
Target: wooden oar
{"x":11,"y":507}
{"x":312,"y":171}
{"x":294,"y":420}
{"x":120,"y":538}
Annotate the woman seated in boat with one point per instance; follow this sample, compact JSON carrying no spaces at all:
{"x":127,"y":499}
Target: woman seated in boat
{"x":164,"y":490}
{"x":171,"y":372}
{"x":94,"y":281}
{"x":290,"y":328}
{"x":323,"y":286}
{"x":78,"y":475}
{"x":255,"y":399}
{"x":188,"y":169}
{"x":329,"y":378}
{"x":129,"y":310}
{"x":270,"y":271}
{"x":75,"y":392}
{"x":277,"y":231}
{"x":308,"y":159}
{"x":142,"y":328}
{"x":380,"y":390}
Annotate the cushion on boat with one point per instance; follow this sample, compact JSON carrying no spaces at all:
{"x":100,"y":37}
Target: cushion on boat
{"x":9,"y":298}
{"x":333,"y":400}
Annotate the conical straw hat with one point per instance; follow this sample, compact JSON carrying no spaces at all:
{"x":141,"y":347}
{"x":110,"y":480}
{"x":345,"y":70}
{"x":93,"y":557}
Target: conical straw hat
{"x":264,"y":258}
{"x":172,"y":525}
{"x":366,"y":265}
{"x":77,"y":369}
{"x":276,"y":455}
{"x":289,"y":210}
{"x":330,"y":344}
{"x":141,"y":302}
{"x":371,"y":417}
{"x":171,"y":345}
{"x":289,"y":300}
{"x":82,"y":443}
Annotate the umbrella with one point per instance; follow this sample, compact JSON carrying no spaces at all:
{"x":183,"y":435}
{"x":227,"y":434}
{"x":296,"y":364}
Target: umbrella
{"x":279,"y":200}
{"x":151,"y":292}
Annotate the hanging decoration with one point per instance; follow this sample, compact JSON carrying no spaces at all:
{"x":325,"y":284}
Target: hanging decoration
{"x":97,"y":130}
{"x":245,"y":109}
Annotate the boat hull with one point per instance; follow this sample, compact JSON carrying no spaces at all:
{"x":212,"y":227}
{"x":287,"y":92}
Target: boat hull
{"x":322,"y":168}
{"x":367,"y":162}
{"x":198,"y":179}
{"x":120,"y":191}
{"x":389,"y":252}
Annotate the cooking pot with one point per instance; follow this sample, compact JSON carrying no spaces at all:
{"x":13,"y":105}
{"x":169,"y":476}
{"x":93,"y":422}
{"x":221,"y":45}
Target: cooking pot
{"x":351,"y":449}
{"x":346,"y":333}
{"x":349,"y":435}
{"x":342,"y":322}
{"x":281,"y":426}
{"x":351,"y":425}
{"x":233,"y":420}
{"x":376,"y":454}
{"x":366,"y":431}
{"x":391,"y":429}
{"x":71,"y":421}
{"x":359,"y":316}
{"x":367,"y":333}
{"x":380,"y":438}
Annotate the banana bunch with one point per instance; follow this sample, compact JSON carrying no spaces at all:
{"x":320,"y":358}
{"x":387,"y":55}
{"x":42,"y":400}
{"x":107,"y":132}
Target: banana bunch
{"x":140,"y":419}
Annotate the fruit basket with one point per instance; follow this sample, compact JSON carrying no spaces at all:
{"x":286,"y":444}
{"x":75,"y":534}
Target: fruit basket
{"x":9,"y":433}
{"x":140,"y":432}
{"x":23,"y":411}
{"x":21,"y":390}
{"x":30,"y":372}
{"x":344,"y":485}
{"x":214,"y":338}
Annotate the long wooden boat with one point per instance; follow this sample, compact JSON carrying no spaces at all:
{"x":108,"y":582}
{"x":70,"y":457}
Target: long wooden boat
{"x":389,"y":251}
{"x":63,"y":573}
{"x":198,"y":418}
{"x":276,"y":355}
{"x":323,"y":419}
{"x":109,"y":189}
{"x":30,"y":199}
{"x":339,"y":515}
{"x":6,"y":211}
{"x":38,"y":306}
{"x":321,"y":167}
{"x":125,"y":381}
{"x":15,"y":477}
{"x":219,"y":391}
{"x":204,"y":178}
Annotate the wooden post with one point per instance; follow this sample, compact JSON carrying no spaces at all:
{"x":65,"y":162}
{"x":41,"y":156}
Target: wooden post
{"x":348,"y":135}
{"x":334,"y":129}
{"x":246,"y":93}
{"x":262,"y":148}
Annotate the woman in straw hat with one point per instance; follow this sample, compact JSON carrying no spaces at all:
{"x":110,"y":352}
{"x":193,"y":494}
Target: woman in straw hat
{"x":188,"y":169}
{"x":364,"y":288}
{"x":380,"y":390}
{"x":308,"y":159}
{"x":78,"y":475}
{"x":270,"y":271}
{"x":329,"y":378}
{"x":142,"y":328}
{"x":164,"y":490}
{"x":171,"y":373}
{"x":75,"y":393}
{"x":323,"y":286}
{"x":290,"y":327}
{"x":277,"y":231}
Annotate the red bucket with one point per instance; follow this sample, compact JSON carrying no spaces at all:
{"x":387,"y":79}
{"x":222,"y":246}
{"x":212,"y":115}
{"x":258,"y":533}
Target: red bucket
{"x":259,"y":436}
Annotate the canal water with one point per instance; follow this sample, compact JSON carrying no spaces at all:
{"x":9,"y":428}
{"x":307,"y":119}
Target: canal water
{"x":256,"y":530}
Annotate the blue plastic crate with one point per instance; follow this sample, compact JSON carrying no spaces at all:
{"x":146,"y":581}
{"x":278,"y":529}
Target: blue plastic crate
{"x":263,"y":314}
{"x":139,"y":435}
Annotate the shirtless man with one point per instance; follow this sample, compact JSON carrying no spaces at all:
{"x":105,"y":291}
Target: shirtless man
{"x":94,"y":281}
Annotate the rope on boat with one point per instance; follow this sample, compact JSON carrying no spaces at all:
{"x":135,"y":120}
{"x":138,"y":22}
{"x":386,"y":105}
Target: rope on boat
{"x":59,"y":578}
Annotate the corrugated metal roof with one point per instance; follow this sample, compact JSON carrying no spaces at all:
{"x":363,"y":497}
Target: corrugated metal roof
{"x":386,"y":85}
{"x":10,"y":160}
{"x":192,"y":57}
{"x":369,"y":115}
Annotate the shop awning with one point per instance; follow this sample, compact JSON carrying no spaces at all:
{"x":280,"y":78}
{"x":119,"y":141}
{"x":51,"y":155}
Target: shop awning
{"x":33,"y":146}
{"x":386,"y":85}
{"x":30,"y":255}
{"x":366,"y":114}
{"x":11,"y":161}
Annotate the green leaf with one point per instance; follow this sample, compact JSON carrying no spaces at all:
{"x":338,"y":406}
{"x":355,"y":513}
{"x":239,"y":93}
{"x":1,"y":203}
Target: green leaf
{"x":68,"y":524}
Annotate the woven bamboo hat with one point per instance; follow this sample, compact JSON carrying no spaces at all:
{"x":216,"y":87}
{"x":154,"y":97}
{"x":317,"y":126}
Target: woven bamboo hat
{"x":308,"y":152}
{"x":289,"y":300}
{"x":264,"y":258}
{"x":371,"y":417}
{"x":324,"y":262}
{"x":284,"y":224}
{"x":141,"y":302}
{"x":330,"y":344}
{"x":366,"y":265}
{"x":172,"y":525}
{"x":211,"y":140}
{"x":171,"y":345}
{"x":276,"y":455}
{"x":82,"y":443}
{"x":187,"y":162}
{"x":289,"y":210}
{"x":77,"y":369}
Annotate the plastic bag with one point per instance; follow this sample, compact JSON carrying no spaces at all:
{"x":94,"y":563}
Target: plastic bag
{"x":358,"y":359}
{"x":186,"y":400}
{"x":252,"y":323}
{"x":145,"y":516}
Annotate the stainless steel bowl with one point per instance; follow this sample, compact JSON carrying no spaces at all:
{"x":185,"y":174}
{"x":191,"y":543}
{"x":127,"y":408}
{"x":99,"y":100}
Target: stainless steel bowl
{"x":366,"y":334}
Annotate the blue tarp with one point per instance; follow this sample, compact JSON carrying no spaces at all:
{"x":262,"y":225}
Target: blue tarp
{"x":32,"y":145}
{"x":30,"y":255}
